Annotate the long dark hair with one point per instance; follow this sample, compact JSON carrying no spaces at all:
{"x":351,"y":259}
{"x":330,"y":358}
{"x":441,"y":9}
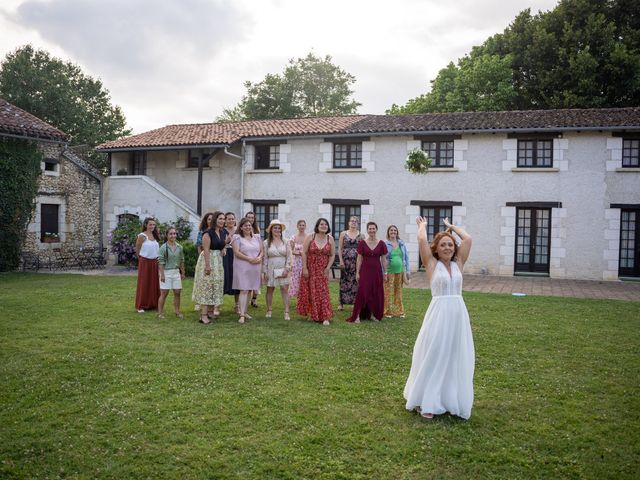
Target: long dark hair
{"x":203,"y":222}
{"x":254,"y":224}
{"x":315,"y":229}
{"x":154,"y":231}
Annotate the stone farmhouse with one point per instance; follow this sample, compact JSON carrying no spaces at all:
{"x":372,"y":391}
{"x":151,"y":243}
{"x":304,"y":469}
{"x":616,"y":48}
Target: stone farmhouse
{"x":67,"y":216}
{"x":548,"y":192}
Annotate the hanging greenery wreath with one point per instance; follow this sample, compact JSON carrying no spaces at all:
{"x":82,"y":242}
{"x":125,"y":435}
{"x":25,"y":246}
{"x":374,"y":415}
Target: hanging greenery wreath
{"x":418,"y":162}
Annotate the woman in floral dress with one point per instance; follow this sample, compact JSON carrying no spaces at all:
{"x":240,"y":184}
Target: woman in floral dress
{"x":317,"y":257}
{"x":347,"y":254}
{"x":208,"y":282}
{"x":276,"y":265}
{"x":297,"y":244}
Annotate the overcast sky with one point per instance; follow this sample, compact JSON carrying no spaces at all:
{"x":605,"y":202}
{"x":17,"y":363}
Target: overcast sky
{"x":183,"y":61}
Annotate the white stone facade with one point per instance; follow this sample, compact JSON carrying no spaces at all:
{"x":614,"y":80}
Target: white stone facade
{"x":582,"y":184}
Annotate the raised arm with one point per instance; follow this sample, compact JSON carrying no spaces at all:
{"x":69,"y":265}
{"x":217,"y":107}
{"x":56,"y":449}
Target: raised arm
{"x":465,"y":242}
{"x":427,"y":257}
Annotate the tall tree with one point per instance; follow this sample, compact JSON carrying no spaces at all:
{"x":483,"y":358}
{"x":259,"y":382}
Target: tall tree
{"x":583,"y":53}
{"x":61,"y":94}
{"x":308,"y":87}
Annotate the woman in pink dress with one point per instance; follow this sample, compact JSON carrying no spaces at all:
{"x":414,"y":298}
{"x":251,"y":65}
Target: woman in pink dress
{"x":371,"y":265}
{"x":297,"y":244}
{"x":247,"y":264}
{"x":317,"y":256}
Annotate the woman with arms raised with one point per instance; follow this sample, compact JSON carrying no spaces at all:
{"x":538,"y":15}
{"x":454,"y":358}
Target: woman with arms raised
{"x":441,"y":376}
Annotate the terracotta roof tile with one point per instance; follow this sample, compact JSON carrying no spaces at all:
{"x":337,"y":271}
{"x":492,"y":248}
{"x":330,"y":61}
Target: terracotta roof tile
{"x":231,"y":132}
{"x":15,"y":121}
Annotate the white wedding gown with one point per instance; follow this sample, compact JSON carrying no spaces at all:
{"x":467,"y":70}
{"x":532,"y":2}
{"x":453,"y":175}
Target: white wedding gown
{"x":441,"y":376}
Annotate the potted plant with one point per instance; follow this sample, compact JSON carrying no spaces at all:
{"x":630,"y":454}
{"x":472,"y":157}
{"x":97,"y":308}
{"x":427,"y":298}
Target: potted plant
{"x":50,"y":237}
{"x":418,"y":162}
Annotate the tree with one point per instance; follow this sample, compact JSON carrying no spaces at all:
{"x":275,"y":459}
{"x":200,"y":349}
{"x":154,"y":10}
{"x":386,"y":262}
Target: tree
{"x":61,"y":94}
{"x":583,"y":53}
{"x":308,"y":87}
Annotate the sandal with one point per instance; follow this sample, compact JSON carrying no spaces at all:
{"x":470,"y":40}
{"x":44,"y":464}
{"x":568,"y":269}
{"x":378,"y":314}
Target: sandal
{"x":179,"y":315}
{"x":247,"y":316}
{"x":286,"y":316}
{"x":204,"y":319}
{"x":326,"y":322}
{"x":161,"y":316}
{"x":241,"y":319}
{"x":428,"y":416}
{"x":268,"y":314}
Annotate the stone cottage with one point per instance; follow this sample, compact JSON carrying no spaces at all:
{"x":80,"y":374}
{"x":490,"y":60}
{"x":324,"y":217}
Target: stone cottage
{"x":67,"y":218}
{"x":548,"y":192}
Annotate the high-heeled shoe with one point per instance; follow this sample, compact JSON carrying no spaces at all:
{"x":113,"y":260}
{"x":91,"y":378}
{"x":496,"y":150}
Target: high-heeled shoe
{"x":286,"y":316}
{"x":204,"y":319}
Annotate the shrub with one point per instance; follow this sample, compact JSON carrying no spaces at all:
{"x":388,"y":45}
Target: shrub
{"x":123,"y":240}
{"x":123,"y":237}
{"x":20,"y":167}
{"x":190,"y":257}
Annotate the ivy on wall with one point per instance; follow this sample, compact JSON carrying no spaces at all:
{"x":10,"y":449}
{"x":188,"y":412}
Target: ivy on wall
{"x":19,"y":173}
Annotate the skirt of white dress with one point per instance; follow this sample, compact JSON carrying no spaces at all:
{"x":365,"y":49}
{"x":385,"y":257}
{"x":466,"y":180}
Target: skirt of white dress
{"x":441,"y":376}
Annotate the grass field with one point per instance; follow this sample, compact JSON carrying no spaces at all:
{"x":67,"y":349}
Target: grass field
{"x":91,"y":389}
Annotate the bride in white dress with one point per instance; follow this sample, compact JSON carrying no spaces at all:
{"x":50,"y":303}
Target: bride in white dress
{"x":441,"y":376}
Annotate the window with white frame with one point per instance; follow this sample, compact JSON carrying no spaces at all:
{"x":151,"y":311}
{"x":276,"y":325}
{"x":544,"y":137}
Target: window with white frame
{"x":535,"y":153}
{"x":195,"y":157}
{"x":630,"y":152}
{"x":49,"y":222}
{"x":440,"y":152}
{"x":267,"y":157}
{"x":347,"y":155}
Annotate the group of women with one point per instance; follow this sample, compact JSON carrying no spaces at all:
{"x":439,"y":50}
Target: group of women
{"x":234,"y":260}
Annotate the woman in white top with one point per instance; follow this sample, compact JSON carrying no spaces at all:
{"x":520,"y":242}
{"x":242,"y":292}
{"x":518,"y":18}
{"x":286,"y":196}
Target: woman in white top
{"x":147,"y":247}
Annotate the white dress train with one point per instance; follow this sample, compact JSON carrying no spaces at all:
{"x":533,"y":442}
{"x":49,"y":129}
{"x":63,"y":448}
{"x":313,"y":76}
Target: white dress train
{"x":441,"y":376}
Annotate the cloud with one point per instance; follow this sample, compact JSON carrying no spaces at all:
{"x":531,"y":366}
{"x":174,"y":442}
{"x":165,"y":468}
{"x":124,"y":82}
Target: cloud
{"x":141,"y":37}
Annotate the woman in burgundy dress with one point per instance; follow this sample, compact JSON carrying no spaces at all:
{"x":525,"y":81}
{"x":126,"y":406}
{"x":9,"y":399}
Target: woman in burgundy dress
{"x":318,"y":253}
{"x":371,"y":265}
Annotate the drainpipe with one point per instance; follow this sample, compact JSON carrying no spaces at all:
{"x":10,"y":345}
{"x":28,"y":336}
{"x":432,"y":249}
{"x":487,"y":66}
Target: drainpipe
{"x":242,"y":159}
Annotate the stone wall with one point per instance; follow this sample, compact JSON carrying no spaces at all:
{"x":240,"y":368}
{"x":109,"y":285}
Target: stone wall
{"x":72,"y":185}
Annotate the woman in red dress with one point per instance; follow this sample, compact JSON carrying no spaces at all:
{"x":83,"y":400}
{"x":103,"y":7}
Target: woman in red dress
{"x":317,"y":257}
{"x":371,"y":265}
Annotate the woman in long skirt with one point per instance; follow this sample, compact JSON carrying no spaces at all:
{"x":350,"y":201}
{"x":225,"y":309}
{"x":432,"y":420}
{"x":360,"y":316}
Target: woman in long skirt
{"x":441,"y":376}
{"x":147,"y":247}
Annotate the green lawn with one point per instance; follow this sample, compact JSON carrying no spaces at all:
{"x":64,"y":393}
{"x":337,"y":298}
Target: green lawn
{"x":91,"y":389}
